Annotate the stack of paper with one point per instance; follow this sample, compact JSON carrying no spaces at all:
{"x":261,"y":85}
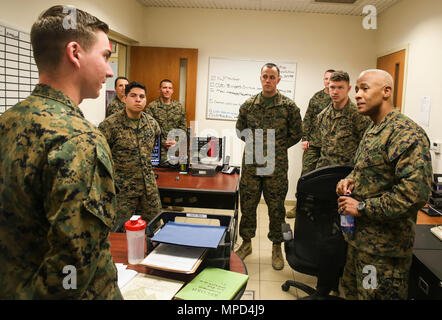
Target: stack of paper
{"x":213,"y":284}
{"x":173,"y":258}
{"x":124,"y":274}
{"x":149,"y":287}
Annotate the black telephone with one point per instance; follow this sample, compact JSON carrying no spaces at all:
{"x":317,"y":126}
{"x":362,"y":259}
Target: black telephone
{"x":226,"y":168}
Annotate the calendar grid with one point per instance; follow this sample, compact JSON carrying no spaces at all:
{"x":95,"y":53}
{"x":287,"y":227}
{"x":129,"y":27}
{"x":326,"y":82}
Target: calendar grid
{"x":18,"y":71}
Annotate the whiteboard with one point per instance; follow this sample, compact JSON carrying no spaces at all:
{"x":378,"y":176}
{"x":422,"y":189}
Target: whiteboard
{"x":232,"y":81}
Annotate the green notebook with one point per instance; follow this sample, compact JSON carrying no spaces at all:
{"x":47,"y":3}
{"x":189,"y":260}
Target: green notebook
{"x":213,"y":284}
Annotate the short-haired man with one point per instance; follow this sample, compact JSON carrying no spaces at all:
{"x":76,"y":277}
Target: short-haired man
{"x":131,"y":134}
{"x":317,"y":103}
{"x":390,"y":181}
{"x":277,"y":120}
{"x":339,"y":127}
{"x":117,"y":104}
{"x":169,"y":114}
{"x":57,"y":195}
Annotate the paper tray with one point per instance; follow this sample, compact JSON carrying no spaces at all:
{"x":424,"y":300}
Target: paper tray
{"x":216,"y":257}
{"x":174,"y":258}
{"x":192,"y":235}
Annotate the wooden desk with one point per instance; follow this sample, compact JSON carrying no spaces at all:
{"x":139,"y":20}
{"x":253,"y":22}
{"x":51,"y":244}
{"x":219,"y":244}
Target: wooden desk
{"x":423,"y":218}
{"x":220,"y":182}
{"x":119,"y":254}
{"x":185,"y":190}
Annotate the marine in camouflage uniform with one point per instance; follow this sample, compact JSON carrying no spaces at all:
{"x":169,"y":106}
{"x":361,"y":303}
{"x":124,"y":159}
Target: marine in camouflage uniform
{"x":169,"y":116}
{"x":318,"y":102}
{"x":115,"y":106}
{"x":390,"y":182}
{"x":131,"y":144}
{"x":392,"y":174}
{"x":57,"y":201}
{"x":283,"y":116}
{"x":337,"y":136}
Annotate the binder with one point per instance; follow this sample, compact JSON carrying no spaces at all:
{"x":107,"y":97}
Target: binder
{"x":213,"y":284}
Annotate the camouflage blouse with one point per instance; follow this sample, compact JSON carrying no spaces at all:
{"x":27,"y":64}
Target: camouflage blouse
{"x":392,"y":174}
{"x":57,"y":202}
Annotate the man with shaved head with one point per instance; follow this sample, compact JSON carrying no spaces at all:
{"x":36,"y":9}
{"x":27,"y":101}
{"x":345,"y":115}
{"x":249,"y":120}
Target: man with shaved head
{"x":390,"y":182}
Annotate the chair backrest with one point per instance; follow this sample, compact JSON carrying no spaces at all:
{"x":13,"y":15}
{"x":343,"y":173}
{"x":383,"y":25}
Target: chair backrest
{"x":317,"y":221}
{"x":321,"y":183}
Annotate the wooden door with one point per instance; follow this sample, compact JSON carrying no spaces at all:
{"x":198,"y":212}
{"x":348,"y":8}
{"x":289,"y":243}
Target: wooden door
{"x":150,"y":65}
{"x":394,"y":64}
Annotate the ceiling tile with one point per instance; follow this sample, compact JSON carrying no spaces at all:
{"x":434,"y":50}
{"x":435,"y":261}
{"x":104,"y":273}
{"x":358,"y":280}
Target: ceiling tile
{"x":310,"y":6}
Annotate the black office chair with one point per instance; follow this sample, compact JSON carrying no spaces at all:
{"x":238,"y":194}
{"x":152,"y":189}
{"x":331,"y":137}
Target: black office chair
{"x":317,"y":247}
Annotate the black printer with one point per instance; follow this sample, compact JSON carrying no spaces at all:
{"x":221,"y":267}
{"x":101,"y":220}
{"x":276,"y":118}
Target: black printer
{"x":435,"y":203}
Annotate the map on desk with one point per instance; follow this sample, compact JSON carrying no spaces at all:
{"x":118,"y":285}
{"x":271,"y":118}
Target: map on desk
{"x":192,"y":235}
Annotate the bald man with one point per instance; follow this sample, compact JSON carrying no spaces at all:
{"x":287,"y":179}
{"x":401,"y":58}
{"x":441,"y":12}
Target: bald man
{"x":390,"y":181}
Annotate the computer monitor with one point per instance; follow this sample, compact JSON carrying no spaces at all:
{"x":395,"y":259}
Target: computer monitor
{"x":156,"y":153}
{"x":207,"y":150}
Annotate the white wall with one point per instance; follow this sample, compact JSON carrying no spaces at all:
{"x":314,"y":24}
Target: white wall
{"x":123,"y":17}
{"x":316,"y":42}
{"x":418,"y":24}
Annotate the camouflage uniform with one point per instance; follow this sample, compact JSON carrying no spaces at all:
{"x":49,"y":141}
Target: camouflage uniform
{"x":392,"y":174}
{"x":338,"y":135}
{"x":318,"y":102}
{"x":114,"y":106}
{"x":169,"y":116}
{"x":57,"y":201}
{"x":137,"y":191}
{"x":283,"y":116}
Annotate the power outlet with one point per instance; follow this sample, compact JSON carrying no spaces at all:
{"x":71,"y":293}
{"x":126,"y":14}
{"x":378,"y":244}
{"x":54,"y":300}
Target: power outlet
{"x":435,"y":146}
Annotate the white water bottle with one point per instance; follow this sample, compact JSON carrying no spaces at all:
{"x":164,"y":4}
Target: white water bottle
{"x":135,"y":232}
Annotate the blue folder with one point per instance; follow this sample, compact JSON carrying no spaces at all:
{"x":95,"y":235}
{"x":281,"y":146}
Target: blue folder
{"x":192,"y":235}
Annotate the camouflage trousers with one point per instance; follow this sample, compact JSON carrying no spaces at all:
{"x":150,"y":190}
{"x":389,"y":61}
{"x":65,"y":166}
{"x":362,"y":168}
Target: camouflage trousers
{"x":310,"y":159}
{"x":147,"y":205}
{"x":274,"y":189}
{"x":372,"y":277}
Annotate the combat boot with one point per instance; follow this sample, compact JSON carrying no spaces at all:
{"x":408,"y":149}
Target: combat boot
{"x":277,"y":259}
{"x":335,"y":293}
{"x":245,"y":249}
{"x":292,"y":213}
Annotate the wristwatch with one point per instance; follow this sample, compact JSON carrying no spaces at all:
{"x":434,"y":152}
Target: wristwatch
{"x":361,"y":206}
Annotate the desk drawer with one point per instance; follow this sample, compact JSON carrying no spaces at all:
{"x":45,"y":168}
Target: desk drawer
{"x":425,"y":282}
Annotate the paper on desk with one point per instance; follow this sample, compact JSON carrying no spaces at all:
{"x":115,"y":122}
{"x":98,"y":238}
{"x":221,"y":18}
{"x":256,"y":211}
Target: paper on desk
{"x":124,"y":274}
{"x":174,"y":258}
{"x":149,"y":287}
